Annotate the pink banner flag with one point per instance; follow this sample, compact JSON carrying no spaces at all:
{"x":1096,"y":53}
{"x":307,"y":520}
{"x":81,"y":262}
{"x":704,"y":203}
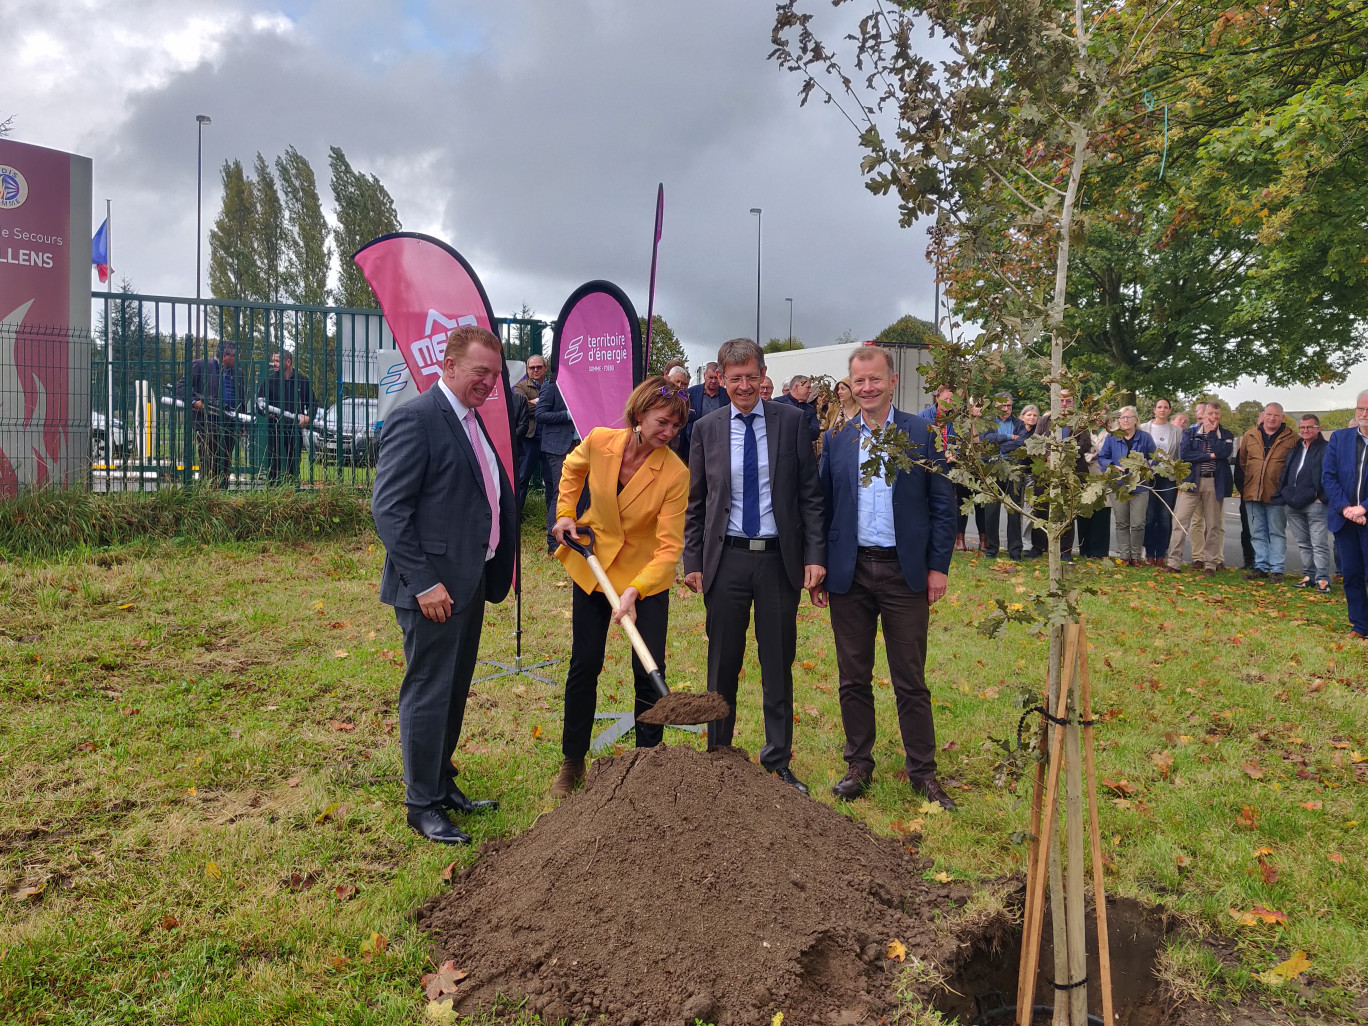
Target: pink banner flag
{"x":426,"y":289}
{"x":596,"y":358}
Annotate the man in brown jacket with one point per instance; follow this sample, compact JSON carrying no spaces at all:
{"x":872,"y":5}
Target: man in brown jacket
{"x":530,"y":449}
{"x":1264,"y":449}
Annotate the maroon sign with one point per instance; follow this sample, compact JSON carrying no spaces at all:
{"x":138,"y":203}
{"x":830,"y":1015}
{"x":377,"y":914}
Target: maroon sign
{"x":44,"y":315}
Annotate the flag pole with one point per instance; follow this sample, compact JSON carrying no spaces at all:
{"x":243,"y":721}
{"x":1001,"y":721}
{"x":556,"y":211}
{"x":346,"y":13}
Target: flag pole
{"x":650,"y":296}
{"x":109,"y":338}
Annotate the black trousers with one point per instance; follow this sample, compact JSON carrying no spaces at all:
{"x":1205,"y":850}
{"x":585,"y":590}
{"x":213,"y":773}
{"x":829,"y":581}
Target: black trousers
{"x":216,"y":441}
{"x":745,"y":579}
{"x":439,"y":662}
{"x":283,"y":446}
{"x":1094,"y":534}
{"x":992,"y":521}
{"x":592,"y":616}
{"x":879,"y":593}
{"x":551,"y":474}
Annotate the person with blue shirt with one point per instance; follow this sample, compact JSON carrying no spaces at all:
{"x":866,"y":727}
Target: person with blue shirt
{"x":889,"y":545}
{"x":1344,"y":477}
{"x":216,"y":393}
{"x":1130,"y":515}
{"x":1009,"y":434}
{"x":704,"y":398}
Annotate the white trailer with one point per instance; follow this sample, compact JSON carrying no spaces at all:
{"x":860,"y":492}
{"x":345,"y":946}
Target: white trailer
{"x":909,"y":363}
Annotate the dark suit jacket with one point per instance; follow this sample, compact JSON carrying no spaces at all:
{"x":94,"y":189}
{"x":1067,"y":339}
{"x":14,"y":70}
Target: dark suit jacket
{"x":1300,"y":484}
{"x":204,"y":382}
{"x":1194,"y":446}
{"x":794,"y":492}
{"x":1338,"y":467}
{"x":430,"y":508}
{"x":923,"y":506}
{"x":554,"y":425}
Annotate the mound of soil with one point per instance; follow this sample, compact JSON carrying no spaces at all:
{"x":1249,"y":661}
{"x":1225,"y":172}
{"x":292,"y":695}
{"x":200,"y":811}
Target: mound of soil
{"x":679,"y":885}
{"x":681,"y":707}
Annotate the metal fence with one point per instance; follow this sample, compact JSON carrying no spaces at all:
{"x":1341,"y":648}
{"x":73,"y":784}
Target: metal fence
{"x":297,"y":406}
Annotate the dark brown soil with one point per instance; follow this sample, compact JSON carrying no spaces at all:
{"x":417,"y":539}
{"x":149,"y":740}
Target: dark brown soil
{"x":679,"y":885}
{"x":681,"y":707}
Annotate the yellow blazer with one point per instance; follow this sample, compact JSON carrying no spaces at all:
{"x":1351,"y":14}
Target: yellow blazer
{"x":638,"y":533}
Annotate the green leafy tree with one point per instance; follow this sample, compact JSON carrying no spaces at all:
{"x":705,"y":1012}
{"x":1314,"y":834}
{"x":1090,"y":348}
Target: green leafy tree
{"x":128,"y":347}
{"x":270,"y":234}
{"x":364,"y":211}
{"x":665,"y":346}
{"x":782,"y":345}
{"x":308,"y":251}
{"x":909,"y":331}
{"x":233,"y":268}
{"x":1244,"y":416}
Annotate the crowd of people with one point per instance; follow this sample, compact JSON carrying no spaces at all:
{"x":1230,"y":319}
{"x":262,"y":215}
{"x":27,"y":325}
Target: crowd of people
{"x":737,"y":485}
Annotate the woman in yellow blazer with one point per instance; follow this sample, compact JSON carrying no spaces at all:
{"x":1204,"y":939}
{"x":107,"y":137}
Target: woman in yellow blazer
{"x":638,"y":491}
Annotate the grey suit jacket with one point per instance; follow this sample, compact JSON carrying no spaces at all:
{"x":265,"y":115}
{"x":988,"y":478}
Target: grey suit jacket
{"x":430,"y":509}
{"x":795,"y":490}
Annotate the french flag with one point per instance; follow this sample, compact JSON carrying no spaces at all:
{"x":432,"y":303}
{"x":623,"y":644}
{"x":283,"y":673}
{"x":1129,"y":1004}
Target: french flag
{"x":99,"y":251}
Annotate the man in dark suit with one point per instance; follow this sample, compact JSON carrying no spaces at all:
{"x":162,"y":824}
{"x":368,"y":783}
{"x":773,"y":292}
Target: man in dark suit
{"x":798,"y":394}
{"x":445,"y":510}
{"x":704,"y":398}
{"x":888,"y":559}
{"x":287,"y":399}
{"x":753,"y":537}
{"x":1344,"y":476}
{"x":529,"y":449}
{"x":557,"y":432}
{"x":216,"y":393}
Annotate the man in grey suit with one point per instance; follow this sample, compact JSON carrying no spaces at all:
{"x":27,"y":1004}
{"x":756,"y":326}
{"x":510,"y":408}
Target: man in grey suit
{"x":446,"y":512}
{"x":753,"y":537}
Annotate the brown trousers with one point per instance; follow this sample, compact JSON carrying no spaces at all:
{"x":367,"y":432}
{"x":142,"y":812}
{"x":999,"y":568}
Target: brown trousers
{"x":879,"y":593}
{"x":1203,"y":498}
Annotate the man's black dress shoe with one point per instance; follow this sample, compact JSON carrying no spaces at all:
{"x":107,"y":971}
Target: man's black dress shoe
{"x":851,"y":786}
{"x":934,"y":792}
{"x":434,"y":825}
{"x":456,"y":801}
{"x":786,"y":775}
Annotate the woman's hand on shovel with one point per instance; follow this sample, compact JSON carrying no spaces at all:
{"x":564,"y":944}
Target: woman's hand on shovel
{"x":564,"y":526}
{"x":626,"y":605}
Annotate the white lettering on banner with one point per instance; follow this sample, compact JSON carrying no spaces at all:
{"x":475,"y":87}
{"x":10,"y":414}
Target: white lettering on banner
{"x":25,"y":257}
{"x":427,"y":351}
{"x":597,"y":349}
{"x":26,"y":236}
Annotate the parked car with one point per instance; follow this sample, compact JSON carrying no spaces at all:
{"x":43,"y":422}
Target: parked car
{"x":118,"y":444}
{"x":349,"y":428}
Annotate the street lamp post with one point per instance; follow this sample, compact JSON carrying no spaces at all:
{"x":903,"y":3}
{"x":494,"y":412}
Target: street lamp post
{"x":756,"y":211}
{"x":200,"y":121}
{"x":789,"y":301}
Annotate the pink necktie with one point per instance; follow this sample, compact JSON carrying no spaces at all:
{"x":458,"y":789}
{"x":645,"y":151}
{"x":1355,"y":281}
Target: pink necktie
{"x":473,"y":430}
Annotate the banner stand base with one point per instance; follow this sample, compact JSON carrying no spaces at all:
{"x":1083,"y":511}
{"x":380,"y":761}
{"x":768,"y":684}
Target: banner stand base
{"x":518,"y":669}
{"x":623,"y":722}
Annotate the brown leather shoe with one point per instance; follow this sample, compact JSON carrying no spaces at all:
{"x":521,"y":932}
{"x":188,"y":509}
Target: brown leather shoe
{"x":935,"y":793}
{"x":570,"y":777}
{"x":851,"y":786}
{"x":1198,"y":565}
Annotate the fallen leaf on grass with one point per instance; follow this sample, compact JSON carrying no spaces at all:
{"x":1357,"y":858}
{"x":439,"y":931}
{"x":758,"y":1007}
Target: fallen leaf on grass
{"x":1336,"y":858}
{"x":300,"y":881}
{"x":1313,"y":806}
{"x":443,"y":981}
{"x":341,"y":725}
{"x":1122,"y":787}
{"x":293,"y":782}
{"x":1163,"y":762}
{"x":1357,"y":756}
{"x":930,"y":809}
{"x":128,"y":710}
{"x":1258,"y":914}
{"x":169,"y":922}
{"x":536,"y":732}
{"x":1248,"y":818}
{"x":87,"y":746}
{"x":338,"y":962}
{"x":808,"y":664}
{"x":345,"y":891}
{"x":212,"y":871}
{"x":1268,"y":871}
{"x":1182,"y":861}
{"x":1253,"y":771}
{"x":127,"y":605}
{"x":1284,"y":972}
{"x":449,"y":871}
{"x":1259,"y":853}
{"x":441,"y":1012}
{"x":374,"y":945}
{"x":341,"y":653}
{"x":897,"y":949}
{"x":33,"y":892}
{"x":333,"y":811}
{"x":943,"y":877}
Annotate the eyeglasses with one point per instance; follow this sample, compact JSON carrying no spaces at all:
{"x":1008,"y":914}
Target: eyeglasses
{"x":670,"y":393}
{"x":744,"y":379}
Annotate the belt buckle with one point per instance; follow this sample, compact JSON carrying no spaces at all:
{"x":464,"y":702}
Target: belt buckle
{"x":756,"y":544}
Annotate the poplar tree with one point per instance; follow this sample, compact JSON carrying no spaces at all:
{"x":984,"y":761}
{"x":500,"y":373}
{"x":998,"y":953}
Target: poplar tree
{"x":364,"y":212}
{"x":308,"y":251}
{"x":233,"y":271}
{"x":270,"y":235}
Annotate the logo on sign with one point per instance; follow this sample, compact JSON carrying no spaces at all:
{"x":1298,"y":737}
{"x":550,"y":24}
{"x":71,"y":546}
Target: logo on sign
{"x":573,"y":352}
{"x":13,"y":188}
{"x":428,"y":350}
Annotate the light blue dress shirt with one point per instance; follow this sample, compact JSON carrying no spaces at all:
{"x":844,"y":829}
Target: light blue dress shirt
{"x":768,"y":529}
{"x":874,"y":503}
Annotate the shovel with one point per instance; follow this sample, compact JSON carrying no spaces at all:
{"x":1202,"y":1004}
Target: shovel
{"x":674,"y":708}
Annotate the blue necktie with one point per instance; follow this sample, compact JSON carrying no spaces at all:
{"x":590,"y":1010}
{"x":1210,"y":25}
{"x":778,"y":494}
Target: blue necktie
{"x":750,"y":479}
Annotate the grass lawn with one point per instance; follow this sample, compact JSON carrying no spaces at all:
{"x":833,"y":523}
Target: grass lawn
{"x":200,"y":769}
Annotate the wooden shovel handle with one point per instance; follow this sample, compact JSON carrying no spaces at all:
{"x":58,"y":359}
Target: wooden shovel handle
{"x":643,"y":653}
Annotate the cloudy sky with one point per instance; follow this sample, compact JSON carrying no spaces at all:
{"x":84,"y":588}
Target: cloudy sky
{"x":529,"y":134}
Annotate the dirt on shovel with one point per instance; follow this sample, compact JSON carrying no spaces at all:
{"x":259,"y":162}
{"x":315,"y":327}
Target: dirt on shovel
{"x":682,"y":707}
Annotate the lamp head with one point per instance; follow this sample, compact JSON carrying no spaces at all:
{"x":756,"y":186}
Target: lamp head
{"x":204,"y":119}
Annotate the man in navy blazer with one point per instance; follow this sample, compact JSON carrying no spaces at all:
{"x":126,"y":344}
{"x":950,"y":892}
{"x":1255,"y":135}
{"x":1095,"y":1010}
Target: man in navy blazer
{"x":888,"y":559}
{"x":1344,"y":475}
{"x":438,"y":485}
{"x":557,"y":431}
{"x":704,"y":398}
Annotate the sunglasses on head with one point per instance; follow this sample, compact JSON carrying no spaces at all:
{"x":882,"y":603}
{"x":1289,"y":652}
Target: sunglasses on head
{"x":669,"y":393}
